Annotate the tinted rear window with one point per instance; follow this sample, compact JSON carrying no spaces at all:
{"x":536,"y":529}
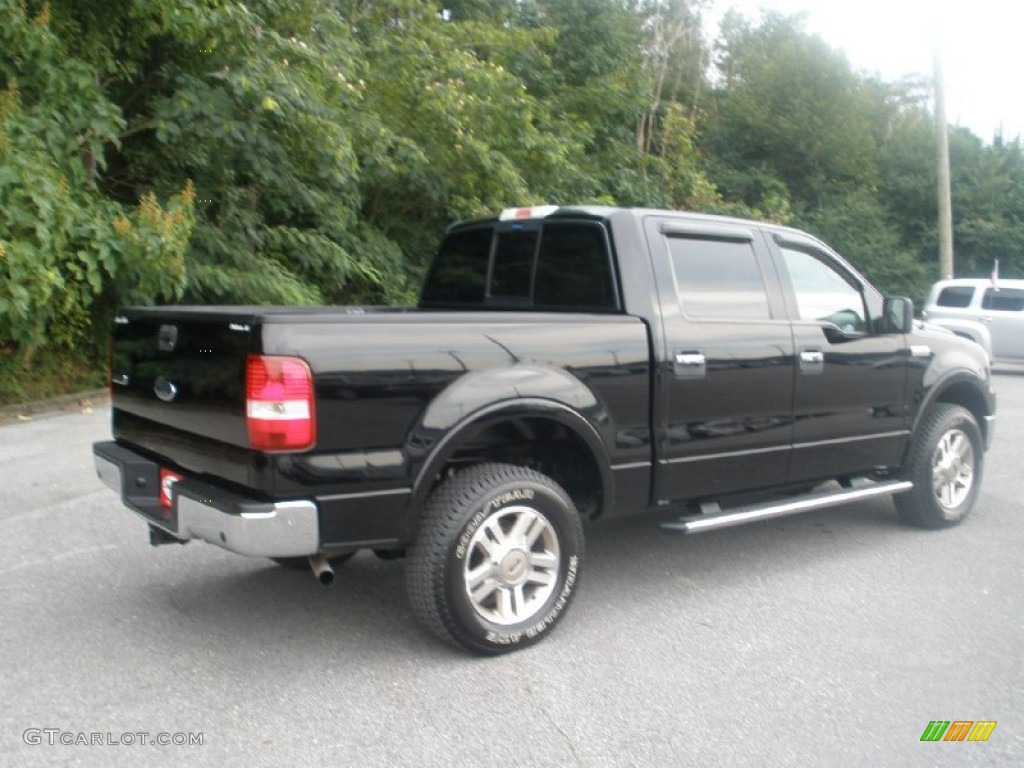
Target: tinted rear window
{"x":557,"y":265}
{"x":955,"y":296}
{"x":459,"y":275}
{"x":1003,"y":300}
{"x":512,"y":269}
{"x":574,"y":268}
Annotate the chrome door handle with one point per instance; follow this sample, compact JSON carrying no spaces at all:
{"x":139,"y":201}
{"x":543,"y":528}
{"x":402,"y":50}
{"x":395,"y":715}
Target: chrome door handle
{"x":812,"y":362}
{"x":689,"y":358}
{"x":690,"y":365}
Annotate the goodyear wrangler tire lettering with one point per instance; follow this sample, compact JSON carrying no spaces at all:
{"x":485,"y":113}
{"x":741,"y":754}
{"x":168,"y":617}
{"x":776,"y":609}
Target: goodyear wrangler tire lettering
{"x":497,"y":560}
{"x":517,"y":494}
{"x":467,"y":534}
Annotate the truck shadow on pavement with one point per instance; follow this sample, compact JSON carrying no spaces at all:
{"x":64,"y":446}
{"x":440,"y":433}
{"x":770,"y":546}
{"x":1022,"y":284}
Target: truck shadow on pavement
{"x":245,"y":606}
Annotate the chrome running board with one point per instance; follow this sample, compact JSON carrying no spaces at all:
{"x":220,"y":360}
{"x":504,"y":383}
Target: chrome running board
{"x":741,"y":515}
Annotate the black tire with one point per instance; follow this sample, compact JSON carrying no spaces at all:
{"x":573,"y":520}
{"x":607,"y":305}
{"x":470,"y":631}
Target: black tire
{"x":302,"y":563}
{"x":532,"y":536}
{"x":945,"y":464}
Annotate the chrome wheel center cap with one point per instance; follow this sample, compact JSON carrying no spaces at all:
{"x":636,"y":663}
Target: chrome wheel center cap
{"x":514,"y":567}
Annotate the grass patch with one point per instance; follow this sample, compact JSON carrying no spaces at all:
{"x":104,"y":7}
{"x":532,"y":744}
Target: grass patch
{"x":50,"y":373}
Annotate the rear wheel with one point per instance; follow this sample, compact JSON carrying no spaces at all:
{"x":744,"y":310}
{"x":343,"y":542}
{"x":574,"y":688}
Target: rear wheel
{"x":945,"y":465}
{"x":497,"y":560}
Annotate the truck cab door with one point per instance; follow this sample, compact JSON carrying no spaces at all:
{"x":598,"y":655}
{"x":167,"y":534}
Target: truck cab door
{"x":1002,"y":310}
{"x":849,"y":396}
{"x":724,"y":387}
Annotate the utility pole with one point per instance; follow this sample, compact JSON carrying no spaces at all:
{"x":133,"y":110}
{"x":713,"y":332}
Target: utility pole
{"x":942,"y":159}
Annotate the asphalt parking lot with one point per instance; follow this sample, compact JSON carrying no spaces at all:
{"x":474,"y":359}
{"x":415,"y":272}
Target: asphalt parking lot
{"x":831,"y":638}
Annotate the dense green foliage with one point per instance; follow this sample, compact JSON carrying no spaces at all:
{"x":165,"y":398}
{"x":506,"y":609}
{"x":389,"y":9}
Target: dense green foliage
{"x":308,"y":151}
{"x":65,"y":246}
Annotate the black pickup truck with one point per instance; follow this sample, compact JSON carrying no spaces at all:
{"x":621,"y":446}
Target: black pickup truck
{"x":563,"y":364}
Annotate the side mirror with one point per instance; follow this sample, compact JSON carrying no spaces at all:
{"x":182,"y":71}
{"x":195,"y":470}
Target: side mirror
{"x":897,"y":315}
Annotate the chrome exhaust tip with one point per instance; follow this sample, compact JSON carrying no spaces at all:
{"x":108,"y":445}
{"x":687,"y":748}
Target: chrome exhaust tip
{"x":322,"y":569}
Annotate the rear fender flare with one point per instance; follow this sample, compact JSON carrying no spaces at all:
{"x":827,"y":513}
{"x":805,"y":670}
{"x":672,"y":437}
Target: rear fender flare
{"x":486,"y":398}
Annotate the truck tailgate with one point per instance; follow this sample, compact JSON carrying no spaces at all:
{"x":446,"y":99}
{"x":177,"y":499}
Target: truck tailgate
{"x":182,"y":373}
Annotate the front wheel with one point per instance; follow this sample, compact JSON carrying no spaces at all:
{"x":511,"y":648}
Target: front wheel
{"x":945,"y":464}
{"x":497,"y":559}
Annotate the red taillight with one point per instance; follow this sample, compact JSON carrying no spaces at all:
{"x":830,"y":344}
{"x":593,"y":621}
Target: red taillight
{"x":167,"y":481}
{"x":279,"y":403}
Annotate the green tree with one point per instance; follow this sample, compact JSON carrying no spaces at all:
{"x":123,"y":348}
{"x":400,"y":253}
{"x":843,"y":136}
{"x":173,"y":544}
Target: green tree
{"x":450,"y":130}
{"x":907,"y":179}
{"x":988,"y":204}
{"x":68,"y":252}
{"x":255,"y":102}
{"x":857,"y":226}
{"x":790,"y":107}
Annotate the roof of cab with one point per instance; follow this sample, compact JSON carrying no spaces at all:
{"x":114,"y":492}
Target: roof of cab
{"x":606,"y":211}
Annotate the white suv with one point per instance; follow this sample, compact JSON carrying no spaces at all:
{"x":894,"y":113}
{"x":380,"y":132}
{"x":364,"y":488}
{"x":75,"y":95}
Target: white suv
{"x":992,"y":315}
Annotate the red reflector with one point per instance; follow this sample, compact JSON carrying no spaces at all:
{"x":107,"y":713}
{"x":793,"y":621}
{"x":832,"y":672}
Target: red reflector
{"x":167,"y":481}
{"x":279,"y":403}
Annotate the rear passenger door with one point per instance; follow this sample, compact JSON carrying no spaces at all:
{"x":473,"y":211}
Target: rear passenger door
{"x":848,"y":401}
{"x":1002,"y":310}
{"x":725,"y":373}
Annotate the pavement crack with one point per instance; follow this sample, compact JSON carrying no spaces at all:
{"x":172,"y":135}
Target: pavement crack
{"x":562,"y":733}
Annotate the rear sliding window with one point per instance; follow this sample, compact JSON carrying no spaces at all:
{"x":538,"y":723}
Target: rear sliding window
{"x":558,"y":265}
{"x":958,"y":296}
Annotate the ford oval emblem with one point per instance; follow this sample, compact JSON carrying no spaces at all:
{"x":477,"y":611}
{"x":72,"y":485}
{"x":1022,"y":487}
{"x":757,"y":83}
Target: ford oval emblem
{"x":165,"y":389}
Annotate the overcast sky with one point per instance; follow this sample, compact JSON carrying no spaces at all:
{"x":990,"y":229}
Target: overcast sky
{"x":982,"y":48}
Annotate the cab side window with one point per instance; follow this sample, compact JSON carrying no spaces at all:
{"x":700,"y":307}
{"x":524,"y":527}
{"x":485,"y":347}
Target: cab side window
{"x":718,"y":279}
{"x":1003,"y":300}
{"x":823,"y":293}
{"x":958,"y":296}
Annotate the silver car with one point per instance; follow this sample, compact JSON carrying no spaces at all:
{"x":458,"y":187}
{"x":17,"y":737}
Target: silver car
{"x":991,"y":314}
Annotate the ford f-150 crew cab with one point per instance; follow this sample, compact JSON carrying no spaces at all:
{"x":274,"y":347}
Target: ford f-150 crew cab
{"x":563,"y":364}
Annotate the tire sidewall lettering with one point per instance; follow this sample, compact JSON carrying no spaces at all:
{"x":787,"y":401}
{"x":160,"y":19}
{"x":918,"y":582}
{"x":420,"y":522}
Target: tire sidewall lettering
{"x":531,"y":633}
{"x":499,"y":501}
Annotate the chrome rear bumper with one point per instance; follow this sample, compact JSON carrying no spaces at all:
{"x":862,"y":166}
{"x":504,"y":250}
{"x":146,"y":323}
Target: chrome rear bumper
{"x":205,"y":512}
